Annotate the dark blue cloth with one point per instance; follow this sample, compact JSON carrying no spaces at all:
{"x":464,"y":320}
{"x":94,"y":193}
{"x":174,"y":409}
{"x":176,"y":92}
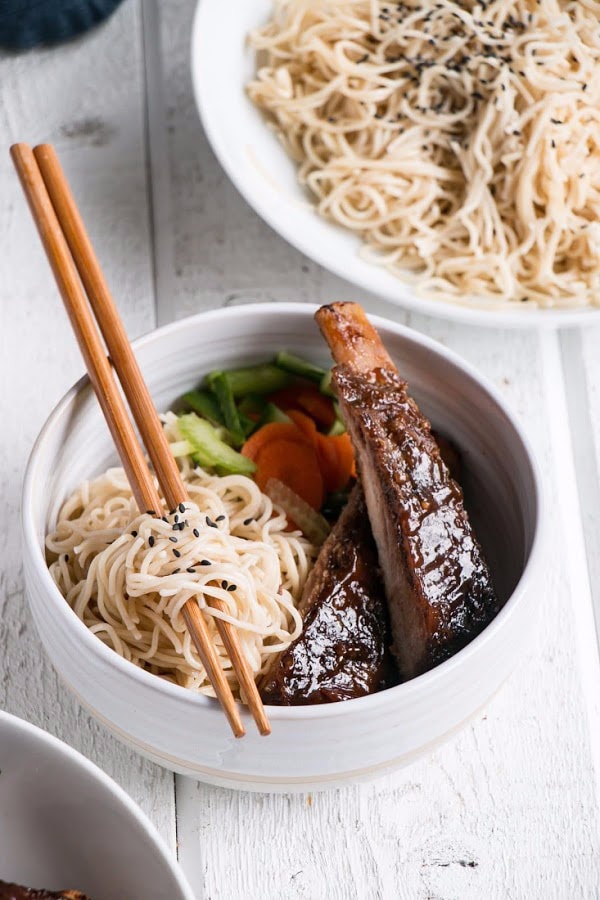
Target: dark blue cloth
{"x":28,"y":23}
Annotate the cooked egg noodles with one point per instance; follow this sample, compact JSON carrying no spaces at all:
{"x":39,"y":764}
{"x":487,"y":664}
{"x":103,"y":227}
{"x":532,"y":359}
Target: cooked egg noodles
{"x":127,"y":576}
{"x":461,"y":141}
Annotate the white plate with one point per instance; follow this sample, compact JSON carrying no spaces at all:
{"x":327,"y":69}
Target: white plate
{"x":64,"y":824}
{"x":251,"y":155}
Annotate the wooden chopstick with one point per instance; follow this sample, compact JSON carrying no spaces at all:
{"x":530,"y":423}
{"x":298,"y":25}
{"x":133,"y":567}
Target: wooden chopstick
{"x":135,"y":389}
{"x":111,"y":402}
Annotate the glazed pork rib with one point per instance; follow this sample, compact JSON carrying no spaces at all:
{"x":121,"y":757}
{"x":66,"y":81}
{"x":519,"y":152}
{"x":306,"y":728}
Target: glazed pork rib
{"x":17,"y":892}
{"x":438,"y":585}
{"x":343,"y":651}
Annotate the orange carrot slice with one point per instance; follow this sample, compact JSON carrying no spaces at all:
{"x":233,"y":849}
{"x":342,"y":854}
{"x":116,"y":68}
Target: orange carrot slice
{"x":336,"y":460}
{"x":307,"y":399}
{"x":304,"y":423}
{"x":282,"y":451}
{"x":335,"y":453}
{"x":270,"y":432}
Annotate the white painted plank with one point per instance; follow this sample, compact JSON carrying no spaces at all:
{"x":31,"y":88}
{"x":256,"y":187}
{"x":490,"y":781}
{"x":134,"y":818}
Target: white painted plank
{"x":581,"y":357}
{"x":509,"y":808}
{"x":87,"y":98}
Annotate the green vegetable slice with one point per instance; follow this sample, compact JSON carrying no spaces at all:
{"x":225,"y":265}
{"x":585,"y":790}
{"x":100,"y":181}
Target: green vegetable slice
{"x":289,"y":362}
{"x":252,"y":404}
{"x":338,"y":427}
{"x":262,"y":379}
{"x":272,"y":413}
{"x":209,"y":450}
{"x":205,"y":405}
{"x":222,"y":391}
{"x":325,"y":384}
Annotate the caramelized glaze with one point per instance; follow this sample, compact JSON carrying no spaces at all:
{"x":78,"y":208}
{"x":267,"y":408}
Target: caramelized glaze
{"x":343,"y":649}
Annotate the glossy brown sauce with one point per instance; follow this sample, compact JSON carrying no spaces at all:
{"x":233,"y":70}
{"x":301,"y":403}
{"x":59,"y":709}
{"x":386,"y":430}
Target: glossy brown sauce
{"x":422,"y":512}
{"x":9,"y":891}
{"x":343,"y":649}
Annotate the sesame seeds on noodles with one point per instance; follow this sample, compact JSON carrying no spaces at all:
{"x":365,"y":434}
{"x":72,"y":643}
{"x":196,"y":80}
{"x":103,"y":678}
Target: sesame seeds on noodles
{"x":450,"y":136}
{"x":114,"y":566}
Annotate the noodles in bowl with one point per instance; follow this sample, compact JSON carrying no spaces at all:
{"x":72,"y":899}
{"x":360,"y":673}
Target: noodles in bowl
{"x":459,"y":140}
{"x":128,"y":575}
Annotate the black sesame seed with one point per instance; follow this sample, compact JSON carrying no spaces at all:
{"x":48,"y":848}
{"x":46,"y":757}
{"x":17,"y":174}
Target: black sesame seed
{"x":196,"y":532}
{"x":220,"y":519}
{"x":232,"y":587}
{"x":205,"y":562}
{"x":176,"y":553}
{"x":190,"y":569}
{"x":181,"y":508}
{"x":175,"y":571}
{"x":151,"y":540}
{"x":173,"y":539}
{"x":210,"y":523}
{"x":248,"y":521}
{"x":176,"y":519}
{"x":224,"y":585}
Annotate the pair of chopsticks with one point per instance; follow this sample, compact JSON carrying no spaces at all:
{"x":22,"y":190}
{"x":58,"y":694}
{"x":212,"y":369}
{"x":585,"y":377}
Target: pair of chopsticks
{"x":77,"y":272}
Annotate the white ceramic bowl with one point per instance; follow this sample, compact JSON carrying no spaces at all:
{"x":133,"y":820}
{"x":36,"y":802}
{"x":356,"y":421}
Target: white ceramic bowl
{"x":315,"y":746}
{"x":64,"y":824}
{"x":222,"y":64}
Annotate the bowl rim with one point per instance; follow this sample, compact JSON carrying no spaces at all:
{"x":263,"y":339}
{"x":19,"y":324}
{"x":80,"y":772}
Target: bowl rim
{"x":33,"y":553}
{"x":283,"y":225}
{"x":76,"y":759}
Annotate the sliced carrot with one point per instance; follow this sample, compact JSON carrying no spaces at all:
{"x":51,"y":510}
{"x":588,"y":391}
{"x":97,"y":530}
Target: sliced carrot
{"x":307,"y":399}
{"x":295,"y":463}
{"x":304,"y":423}
{"x":268,"y":433}
{"x":335,"y":453}
{"x":346,"y":457}
{"x":319,"y":407}
{"x":336,"y":460}
{"x":282,"y":451}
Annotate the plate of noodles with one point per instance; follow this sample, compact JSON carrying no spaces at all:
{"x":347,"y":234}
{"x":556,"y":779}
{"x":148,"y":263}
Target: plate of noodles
{"x":443,"y":155}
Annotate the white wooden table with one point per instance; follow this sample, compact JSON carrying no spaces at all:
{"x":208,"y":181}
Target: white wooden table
{"x":510,"y":807}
